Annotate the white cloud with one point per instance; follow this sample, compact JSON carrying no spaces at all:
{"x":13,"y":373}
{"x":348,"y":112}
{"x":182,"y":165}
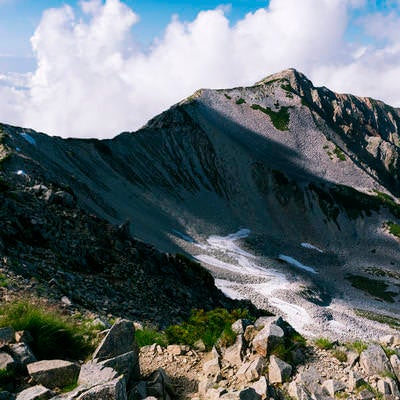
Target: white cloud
{"x":92,"y":79}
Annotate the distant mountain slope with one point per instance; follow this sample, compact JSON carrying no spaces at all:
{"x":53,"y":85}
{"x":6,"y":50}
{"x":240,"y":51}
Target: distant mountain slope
{"x":290,"y":162}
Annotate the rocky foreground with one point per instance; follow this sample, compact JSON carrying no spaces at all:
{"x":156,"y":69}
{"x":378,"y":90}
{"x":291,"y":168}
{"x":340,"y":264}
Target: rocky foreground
{"x":249,"y":369}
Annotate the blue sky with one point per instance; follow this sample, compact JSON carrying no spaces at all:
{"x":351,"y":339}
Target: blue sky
{"x":94,"y":68}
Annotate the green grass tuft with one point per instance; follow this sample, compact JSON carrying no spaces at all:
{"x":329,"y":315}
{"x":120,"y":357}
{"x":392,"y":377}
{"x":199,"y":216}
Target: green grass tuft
{"x":280,"y":119}
{"x":55,"y":335}
{"x":240,"y":101}
{"x":394,"y":229}
{"x":227,"y":96}
{"x":339,"y":154}
{"x":358,"y":346}
{"x":382,"y":318}
{"x":208,"y":326}
{"x":324,"y":343}
{"x":340,"y":355}
{"x":149,"y":335}
{"x":374,"y":287}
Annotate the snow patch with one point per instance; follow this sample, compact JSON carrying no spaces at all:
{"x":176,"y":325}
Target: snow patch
{"x":297,"y":264}
{"x":21,"y":172}
{"x":28,"y":138}
{"x":310,"y":246}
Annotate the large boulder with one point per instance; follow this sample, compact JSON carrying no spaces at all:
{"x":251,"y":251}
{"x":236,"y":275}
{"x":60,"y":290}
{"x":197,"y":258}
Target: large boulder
{"x":157,"y":385}
{"x":37,"y":392}
{"x":374,"y":361}
{"x":126,"y":364}
{"x":249,"y":394}
{"x":112,"y":390}
{"x":92,"y":374}
{"x":119,"y":340}
{"x":271,"y":335}
{"x":332,"y":386}
{"x":279,"y":371}
{"x":53,"y":373}
{"x":234,"y":354}
{"x":252,"y":370}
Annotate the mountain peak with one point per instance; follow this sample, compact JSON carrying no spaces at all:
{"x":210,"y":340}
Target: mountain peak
{"x":296,"y":79}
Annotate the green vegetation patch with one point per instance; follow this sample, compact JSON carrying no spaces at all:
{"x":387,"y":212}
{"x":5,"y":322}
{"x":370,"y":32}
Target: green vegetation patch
{"x":208,"y":326}
{"x":339,"y":154}
{"x":287,"y":86}
{"x":358,"y":346}
{"x":149,"y":335}
{"x":340,"y":355}
{"x":227,"y":96}
{"x":324,"y":343}
{"x":394,"y":229}
{"x":383,"y":272}
{"x":293,"y":341}
{"x":240,"y":101}
{"x":382,"y":318}
{"x":280,"y":119}
{"x":55,"y":335}
{"x":374,"y":287}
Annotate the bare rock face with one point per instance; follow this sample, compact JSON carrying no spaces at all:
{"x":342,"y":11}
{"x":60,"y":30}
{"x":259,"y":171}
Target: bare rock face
{"x":279,"y":371}
{"x":38,"y":392}
{"x":374,"y":360}
{"x":119,"y":340}
{"x":53,"y":373}
{"x":113,"y":390}
{"x":270,"y":335}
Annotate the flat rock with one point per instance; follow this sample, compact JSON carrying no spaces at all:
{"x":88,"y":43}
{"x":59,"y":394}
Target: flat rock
{"x":6,"y":362}
{"x":37,"y":392}
{"x":126,"y":364}
{"x":332,"y":386}
{"x":120,"y":339}
{"x":240,"y":326}
{"x":366,"y":395}
{"x":53,"y":373}
{"x":261,"y":387}
{"x":113,"y":390}
{"x":279,"y":371}
{"x":92,"y":374}
{"x":298,"y":391}
{"x":355,"y":380}
{"x":374,"y":361}
{"x":211,"y":367}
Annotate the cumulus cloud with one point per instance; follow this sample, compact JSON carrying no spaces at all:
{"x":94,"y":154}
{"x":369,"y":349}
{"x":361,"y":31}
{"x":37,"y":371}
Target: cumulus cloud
{"x":92,"y":79}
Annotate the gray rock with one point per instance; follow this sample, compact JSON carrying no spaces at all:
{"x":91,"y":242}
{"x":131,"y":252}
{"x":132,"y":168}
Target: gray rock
{"x":211,"y":367}
{"x":394,"y":389}
{"x":204,"y":384}
{"x":37,"y":392}
{"x":64,"y":198}
{"x":332,"y":386}
{"x":6,"y":362}
{"x":199,"y":346}
{"x":270,"y":336}
{"x":251,"y":370}
{"x":53,"y":373}
{"x":159,"y":385}
{"x":352,"y":358}
{"x":366,"y":395}
{"x":126,"y":364}
{"x":22,"y":354}
{"x":234,"y":354}
{"x":355,"y":380}
{"x":92,"y":374}
{"x":240,"y":326}
{"x":177,"y":350}
{"x":395,"y":363}
{"x":119,"y":340}
{"x":215,"y":393}
{"x":298,"y":391}
{"x":249,"y":394}
{"x":138,"y":392}
{"x":261,"y":387}
{"x":374,"y":361}
{"x":7,"y":336}
{"x":113,"y":390}
{"x":383,"y":387}
{"x":279,"y":371}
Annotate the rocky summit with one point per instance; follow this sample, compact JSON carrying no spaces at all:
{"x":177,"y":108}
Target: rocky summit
{"x":279,"y":198}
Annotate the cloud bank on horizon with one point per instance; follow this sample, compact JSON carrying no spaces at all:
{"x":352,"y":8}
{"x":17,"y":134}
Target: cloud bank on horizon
{"x":93,"y":80}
